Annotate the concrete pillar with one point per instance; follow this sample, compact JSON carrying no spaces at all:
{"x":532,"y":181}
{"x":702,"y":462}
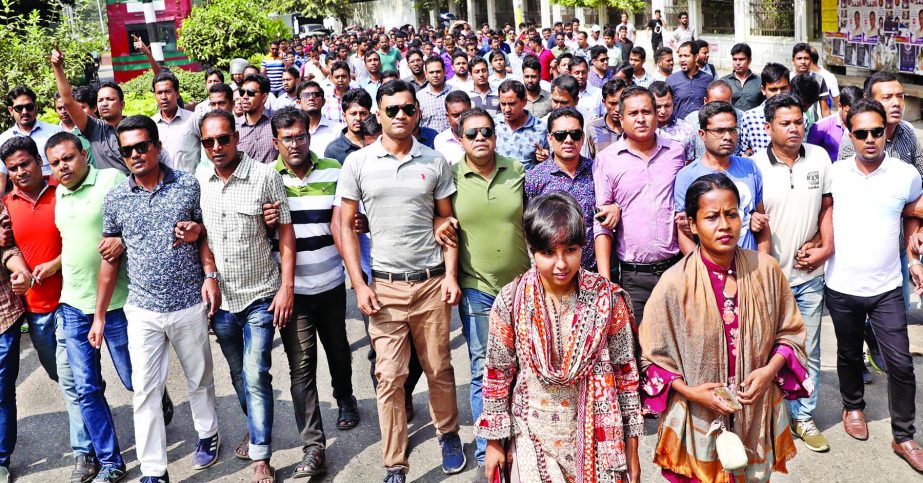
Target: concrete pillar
{"x":519,"y":12}
{"x":453,"y":7}
{"x":471,"y":8}
{"x":555,"y":14}
{"x":801,"y":21}
{"x":491,"y":13}
{"x":603,"y":14}
{"x":695,"y":17}
{"x":433,"y":17}
{"x":546,"y":14}
{"x":742,"y":20}
{"x":580,"y":15}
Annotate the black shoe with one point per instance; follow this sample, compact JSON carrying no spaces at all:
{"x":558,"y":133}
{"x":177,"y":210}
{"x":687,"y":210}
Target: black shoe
{"x":395,"y":476}
{"x":314,"y":463}
{"x":85,"y":469}
{"x":348,"y":416}
{"x":866,"y":376}
{"x":167,"y":405}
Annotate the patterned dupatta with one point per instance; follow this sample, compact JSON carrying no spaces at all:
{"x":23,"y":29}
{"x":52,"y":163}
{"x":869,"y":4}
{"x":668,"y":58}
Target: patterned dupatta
{"x":586,"y":362}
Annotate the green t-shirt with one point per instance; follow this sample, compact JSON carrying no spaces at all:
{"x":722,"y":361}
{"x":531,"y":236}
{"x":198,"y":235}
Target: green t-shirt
{"x":389,"y":61}
{"x":79,"y":218}
{"x":86,"y":145}
{"x":491,"y":241}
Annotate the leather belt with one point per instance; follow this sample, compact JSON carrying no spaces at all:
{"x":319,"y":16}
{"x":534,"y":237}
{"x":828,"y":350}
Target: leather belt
{"x":656,"y":268}
{"x":417,"y":276}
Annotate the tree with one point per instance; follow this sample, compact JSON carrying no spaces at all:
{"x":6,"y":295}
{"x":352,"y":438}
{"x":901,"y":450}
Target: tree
{"x":339,"y":9}
{"x":623,"y":5}
{"x":222,"y":30}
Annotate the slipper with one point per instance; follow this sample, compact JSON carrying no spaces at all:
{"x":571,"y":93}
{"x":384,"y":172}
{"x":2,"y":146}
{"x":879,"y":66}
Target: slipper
{"x":348,"y":417}
{"x":259,"y":477}
{"x":243,"y":449}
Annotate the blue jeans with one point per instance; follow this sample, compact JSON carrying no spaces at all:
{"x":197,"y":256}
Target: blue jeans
{"x":474,"y":312}
{"x":810,"y":299}
{"x":49,"y":342}
{"x":9,"y":371}
{"x":84,"y":360}
{"x":246,"y":341}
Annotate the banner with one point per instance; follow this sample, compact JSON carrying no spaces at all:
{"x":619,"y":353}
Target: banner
{"x":876,"y":34}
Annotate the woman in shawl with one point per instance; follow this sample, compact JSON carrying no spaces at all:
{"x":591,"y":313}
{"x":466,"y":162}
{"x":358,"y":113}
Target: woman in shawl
{"x":723,"y":317}
{"x":560,"y":381}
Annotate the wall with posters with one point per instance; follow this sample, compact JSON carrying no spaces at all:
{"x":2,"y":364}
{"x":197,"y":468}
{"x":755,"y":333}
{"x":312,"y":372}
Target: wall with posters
{"x":877,"y":35}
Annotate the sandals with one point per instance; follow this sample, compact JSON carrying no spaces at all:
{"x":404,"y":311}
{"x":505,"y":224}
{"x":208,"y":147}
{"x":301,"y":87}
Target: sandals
{"x":348,"y":417}
{"x":264,"y":476}
{"x":313,"y":463}
{"x":243,"y":449}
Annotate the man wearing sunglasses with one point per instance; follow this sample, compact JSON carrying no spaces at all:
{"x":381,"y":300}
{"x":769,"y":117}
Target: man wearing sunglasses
{"x":311,"y":101}
{"x":399,"y":181}
{"x":253,"y":127}
{"x":20,"y":102}
{"x":872,"y":191}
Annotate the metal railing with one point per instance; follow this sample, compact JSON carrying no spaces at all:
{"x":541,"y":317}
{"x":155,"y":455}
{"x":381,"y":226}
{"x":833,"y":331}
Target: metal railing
{"x":718,"y":17}
{"x":772,"y":18}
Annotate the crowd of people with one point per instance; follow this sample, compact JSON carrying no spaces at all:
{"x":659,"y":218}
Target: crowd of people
{"x":621,"y":244}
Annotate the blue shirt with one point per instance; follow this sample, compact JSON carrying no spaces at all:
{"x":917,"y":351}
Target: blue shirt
{"x":688,"y":93}
{"x":371,"y":87}
{"x":520,"y":144}
{"x":745,"y":175}
{"x":40,"y":133}
{"x":160,"y":278}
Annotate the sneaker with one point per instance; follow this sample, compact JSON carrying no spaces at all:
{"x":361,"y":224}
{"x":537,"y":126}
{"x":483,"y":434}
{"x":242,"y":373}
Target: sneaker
{"x":395,"y":476}
{"x":156,"y":479}
{"x":206,"y":452}
{"x":812,"y":437}
{"x":5,"y":475}
{"x":876,"y":360}
{"x":85,"y":469}
{"x":866,"y":375}
{"x":453,"y":454}
{"x":110,"y":474}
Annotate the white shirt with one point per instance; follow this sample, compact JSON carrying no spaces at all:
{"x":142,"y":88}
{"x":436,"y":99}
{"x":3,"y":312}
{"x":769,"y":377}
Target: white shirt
{"x":325,"y":133}
{"x":446,"y":144}
{"x":461,"y":85}
{"x":792,"y":198}
{"x":832,"y":85}
{"x":590,"y":104}
{"x":866,"y":225}
{"x":180,"y":138}
{"x":629,"y":27}
{"x":283,"y":101}
{"x":40,"y":133}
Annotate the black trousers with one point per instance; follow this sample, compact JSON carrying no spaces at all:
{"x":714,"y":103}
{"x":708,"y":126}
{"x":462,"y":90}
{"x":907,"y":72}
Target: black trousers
{"x":316,"y":316}
{"x":888,"y":316}
{"x":639,"y":286}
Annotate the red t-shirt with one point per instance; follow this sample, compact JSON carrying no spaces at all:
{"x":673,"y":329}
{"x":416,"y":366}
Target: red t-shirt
{"x":545,"y":59}
{"x":39,"y":241}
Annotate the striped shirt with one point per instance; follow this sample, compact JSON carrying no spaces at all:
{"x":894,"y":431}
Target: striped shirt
{"x":318,"y":265}
{"x":274,"y":68}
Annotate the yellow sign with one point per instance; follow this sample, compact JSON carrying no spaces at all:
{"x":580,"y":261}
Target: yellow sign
{"x":828,"y":12}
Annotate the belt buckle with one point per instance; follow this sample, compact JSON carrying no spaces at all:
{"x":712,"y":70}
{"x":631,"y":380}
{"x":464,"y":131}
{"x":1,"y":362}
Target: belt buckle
{"x":428,"y":274}
{"x":406,"y":277}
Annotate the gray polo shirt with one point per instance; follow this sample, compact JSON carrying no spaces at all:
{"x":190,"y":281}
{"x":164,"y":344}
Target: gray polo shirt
{"x":105,"y":145}
{"x":399,"y":197}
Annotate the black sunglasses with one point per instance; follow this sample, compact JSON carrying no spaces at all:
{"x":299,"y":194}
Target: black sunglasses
{"x":312,"y":94}
{"x":24,"y":107}
{"x":575,"y":134}
{"x":409,"y":109}
{"x":247,"y":92}
{"x":862,"y":134}
{"x":223,"y":140}
{"x":141,"y":148}
{"x":472,"y":132}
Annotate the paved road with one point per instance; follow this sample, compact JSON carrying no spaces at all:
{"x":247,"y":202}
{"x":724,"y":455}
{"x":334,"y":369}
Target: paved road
{"x":354,"y":456}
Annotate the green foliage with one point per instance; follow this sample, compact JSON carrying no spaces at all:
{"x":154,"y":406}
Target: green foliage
{"x":135,"y":103}
{"x":623,"y":5}
{"x":339,"y":9}
{"x":221,"y":30}
{"x":191,"y":85}
{"x":25,"y":44}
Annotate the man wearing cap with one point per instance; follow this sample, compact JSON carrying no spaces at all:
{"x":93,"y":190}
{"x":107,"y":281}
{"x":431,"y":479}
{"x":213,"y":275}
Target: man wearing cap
{"x":237,"y":72}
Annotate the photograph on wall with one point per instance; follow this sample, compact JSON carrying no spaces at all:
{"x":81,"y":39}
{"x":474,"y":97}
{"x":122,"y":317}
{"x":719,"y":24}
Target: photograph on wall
{"x":908,"y":57}
{"x":885,"y":55}
{"x":915,"y":22}
{"x":850,"y":58}
{"x":918,"y":67}
{"x":854,"y":28}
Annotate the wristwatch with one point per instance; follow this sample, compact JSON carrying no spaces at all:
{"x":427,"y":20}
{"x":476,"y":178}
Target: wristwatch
{"x":912,"y":262}
{"x":213,"y":275}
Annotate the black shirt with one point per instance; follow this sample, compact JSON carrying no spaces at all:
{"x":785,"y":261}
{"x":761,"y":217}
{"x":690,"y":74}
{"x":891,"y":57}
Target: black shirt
{"x":656,"y":27}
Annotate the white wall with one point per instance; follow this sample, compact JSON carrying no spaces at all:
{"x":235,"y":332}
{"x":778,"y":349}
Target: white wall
{"x":390,"y":13}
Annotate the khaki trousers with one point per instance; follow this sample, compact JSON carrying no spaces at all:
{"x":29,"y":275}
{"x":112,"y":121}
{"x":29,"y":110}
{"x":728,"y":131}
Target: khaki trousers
{"x":411,"y":309}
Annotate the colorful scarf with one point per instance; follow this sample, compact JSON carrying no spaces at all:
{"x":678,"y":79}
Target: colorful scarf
{"x":586,"y":362}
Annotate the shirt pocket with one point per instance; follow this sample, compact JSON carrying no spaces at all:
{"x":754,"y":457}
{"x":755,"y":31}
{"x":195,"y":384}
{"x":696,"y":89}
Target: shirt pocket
{"x":248,"y":220}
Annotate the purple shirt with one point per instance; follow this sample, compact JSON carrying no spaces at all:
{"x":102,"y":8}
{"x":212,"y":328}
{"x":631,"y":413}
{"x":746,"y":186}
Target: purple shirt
{"x":548,"y":176}
{"x":827,"y":133}
{"x":644,"y":191}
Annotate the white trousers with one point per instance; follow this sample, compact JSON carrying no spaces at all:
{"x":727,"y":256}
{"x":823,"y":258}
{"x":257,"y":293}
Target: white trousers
{"x":149,"y":334}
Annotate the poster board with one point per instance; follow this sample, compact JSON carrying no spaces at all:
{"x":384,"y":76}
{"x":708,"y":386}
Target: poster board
{"x":875,"y":34}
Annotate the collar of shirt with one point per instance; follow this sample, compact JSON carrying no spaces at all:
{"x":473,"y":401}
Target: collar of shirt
{"x":367,"y":81}
{"x":774,"y":161}
{"x":346,"y":139}
{"x":584,"y":167}
{"x":89,"y":181}
{"x":242,"y":171}
{"x":322,"y":125}
{"x":501,"y":162}
{"x":283,"y":170}
{"x":169,"y":176}
{"x":378,"y":149}
{"x":39,"y":124}
{"x":529,"y":124}
{"x":621,"y":145}
{"x":245,"y":122}
{"x":180,"y":115}
{"x":48,"y":189}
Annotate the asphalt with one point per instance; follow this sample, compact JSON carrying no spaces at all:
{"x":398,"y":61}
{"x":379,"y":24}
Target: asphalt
{"x":42,"y":452}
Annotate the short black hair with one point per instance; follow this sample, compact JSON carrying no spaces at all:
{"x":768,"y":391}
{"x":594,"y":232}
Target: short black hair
{"x":472,"y":113}
{"x":567,"y":83}
{"x":564,"y":112}
{"x":390,"y":73}
{"x":849,"y":95}
{"x":293,"y":71}
{"x":577,"y":60}
{"x":865,"y":105}
{"x":495,"y":53}
{"x":742,"y":48}
{"x":660,"y":89}
{"x":613,"y":86}
{"x":773,"y":73}
{"x":780,"y":101}
{"x":136,"y":123}
{"x":457,"y":97}
{"x":458,"y":54}
{"x":304,"y":84}
{"x":357,"y":96}
{"x":640,"y":52}
{"x":634,"y":91}
{"x":712,"y":109}
{"x":214,"y":71}
{"x":16,"y":144}
{"x":513,"y":85}
{"x":287,"y":117}
{"x":801,"y":47}
{"x":598,"y":50}
{"x":806,"y":88}
{"x":164,"y":76}
{"x":704,"y":184}
{"x":371,"y":126}
{"x":84,"y":94}
{"x":531,"y":62}
{"x":62,"y":137}
{"x":553,"y":219}
{"x":227,"y":116}
{"x":476,"y":61}
{"x":662,"y":51}
{"x":112,"y":85}
{"x":415,"y":52}
{"x":717,"y":84}
{"x":19,"y":91}
{"x":434,"y":59}
{"x":880,"y":76}
{"x":393,"y":87}
{"x":261,"y":80}
{"x":223,"y":89}
{"x":693,"y":46}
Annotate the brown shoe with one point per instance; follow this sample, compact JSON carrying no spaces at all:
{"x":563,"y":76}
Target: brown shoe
{"x":911,"y":451}
{"x":855,"y":425}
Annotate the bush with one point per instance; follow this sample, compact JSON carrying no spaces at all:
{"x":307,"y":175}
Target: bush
{"x":135,"y":103}
{"x":191,"y":84}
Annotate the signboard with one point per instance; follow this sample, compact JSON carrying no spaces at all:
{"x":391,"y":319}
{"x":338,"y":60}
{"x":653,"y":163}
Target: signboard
{"x":875,"y":34}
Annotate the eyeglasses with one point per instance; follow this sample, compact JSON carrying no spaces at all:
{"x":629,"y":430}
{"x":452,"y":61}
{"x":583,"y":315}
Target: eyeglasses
{"x":247,"y":92}
{"x":862,"y":134}
{"x":24,"y":107}
{"x":141,"y":148}
{"x":575,"y":134}
{"x":409,"y":109}
{"x":312,"y":95}
{"x":294,"y":140}
{"x":222,"y":140}
{"x":472,"y":132}
{"x":603,"y":59}
{"x":721,"y":131}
